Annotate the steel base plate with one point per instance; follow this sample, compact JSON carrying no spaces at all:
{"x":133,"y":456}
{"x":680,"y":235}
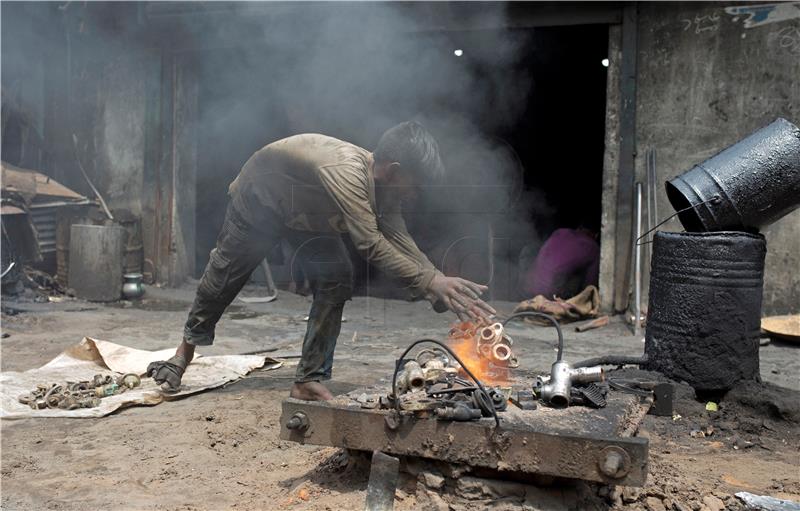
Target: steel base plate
{"x":575,"y":442}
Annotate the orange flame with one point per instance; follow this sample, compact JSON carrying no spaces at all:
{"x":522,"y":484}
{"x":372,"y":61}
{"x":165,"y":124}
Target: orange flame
{"x":463,"y":340}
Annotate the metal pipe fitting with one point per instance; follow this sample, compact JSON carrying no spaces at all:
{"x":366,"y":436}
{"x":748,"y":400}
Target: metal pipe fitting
{"x":492,"y":334}
{"x":557,"y":391}
{"x":587,"y":374}
{"x":501,"y":352}
{"x":412,"y":378}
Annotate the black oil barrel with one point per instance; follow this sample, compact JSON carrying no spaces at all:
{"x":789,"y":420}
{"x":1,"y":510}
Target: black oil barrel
{"x":704,"y":315}
{"x":756,"y":182}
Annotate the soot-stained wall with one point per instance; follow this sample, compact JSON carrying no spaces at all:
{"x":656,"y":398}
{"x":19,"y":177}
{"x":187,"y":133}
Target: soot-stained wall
{"x":708,"y":75}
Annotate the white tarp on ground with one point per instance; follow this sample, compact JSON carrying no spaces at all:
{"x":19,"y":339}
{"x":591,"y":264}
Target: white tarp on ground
{"x":91,"y":356}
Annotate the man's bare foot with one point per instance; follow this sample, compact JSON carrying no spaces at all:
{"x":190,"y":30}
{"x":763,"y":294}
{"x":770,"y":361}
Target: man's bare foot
{"x":310,"y":391}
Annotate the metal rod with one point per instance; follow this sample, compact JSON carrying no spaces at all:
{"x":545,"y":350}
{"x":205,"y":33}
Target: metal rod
{"x":650,"y":189}
{"x":490,"y":262}
{"x":89,"y":181}
{"x":654,"y":183}
{"x":5,"y":272}
{"x":651,"y":218}
{"x":637,"y":265}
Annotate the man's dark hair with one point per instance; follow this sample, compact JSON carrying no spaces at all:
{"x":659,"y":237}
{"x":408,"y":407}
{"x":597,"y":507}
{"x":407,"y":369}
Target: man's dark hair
{"x":414,"y":148}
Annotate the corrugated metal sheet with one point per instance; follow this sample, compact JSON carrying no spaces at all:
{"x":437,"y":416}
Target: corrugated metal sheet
{"x":44,"y":219}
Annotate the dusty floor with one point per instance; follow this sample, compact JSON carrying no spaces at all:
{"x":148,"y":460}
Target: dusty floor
{"x":220,"y":449}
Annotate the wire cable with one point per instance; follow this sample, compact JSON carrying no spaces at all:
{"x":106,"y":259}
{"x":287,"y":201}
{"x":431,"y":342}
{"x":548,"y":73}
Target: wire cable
{"x":548,"y":317}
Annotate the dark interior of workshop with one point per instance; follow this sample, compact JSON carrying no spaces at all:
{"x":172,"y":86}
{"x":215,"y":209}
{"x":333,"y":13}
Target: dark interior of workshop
{"x":400,"y":255}
{"x":518,"y":98}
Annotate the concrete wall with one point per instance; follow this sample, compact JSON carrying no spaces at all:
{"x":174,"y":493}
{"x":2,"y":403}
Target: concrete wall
{"x":121,"y":131}
{"x":107,"y":92}
{"x":707,"y":77}
{"x":97,"y":72}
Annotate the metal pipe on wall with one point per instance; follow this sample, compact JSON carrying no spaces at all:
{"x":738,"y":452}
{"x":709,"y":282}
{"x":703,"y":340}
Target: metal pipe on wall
{"x":637,"y":263}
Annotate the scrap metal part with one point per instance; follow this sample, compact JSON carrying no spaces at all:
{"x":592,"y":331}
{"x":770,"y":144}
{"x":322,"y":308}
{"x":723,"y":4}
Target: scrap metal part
{"x":576,"y":442}
{"x":383,"y":475}
{"x":524,"y":399}
{"x":491,"y":341}
{"x":82,"y":394}
{"x":558,"y":390}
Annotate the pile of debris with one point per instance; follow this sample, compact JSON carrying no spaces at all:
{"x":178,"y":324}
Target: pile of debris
{"x":27,"y":284}
{"x":39,"y":216}
{"x":446,"y":381}
{"x":82,"y":394}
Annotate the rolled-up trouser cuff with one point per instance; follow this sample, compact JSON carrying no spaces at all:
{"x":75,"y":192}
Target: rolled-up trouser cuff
{"x":198,"y":339}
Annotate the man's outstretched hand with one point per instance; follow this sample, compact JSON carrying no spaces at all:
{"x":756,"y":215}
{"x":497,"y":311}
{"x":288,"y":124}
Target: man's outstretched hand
{"x":460,"y":296}
{"x":168,"y":373}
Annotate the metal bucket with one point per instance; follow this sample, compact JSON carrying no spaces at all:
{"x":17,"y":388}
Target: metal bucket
{"x":95,"y":261}
{"x":704,"y":317}
{"x":755,"y":181}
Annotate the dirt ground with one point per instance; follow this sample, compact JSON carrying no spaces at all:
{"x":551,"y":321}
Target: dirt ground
{"x":220,"y":449}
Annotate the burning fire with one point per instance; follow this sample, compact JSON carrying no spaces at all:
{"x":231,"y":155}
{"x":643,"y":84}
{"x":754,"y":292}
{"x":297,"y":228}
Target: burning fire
{"x":463,"y":340}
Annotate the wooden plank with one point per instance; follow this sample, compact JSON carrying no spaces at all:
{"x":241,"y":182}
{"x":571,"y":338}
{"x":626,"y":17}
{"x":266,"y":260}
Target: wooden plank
{"x":184,"y":171}
{"x":627,"y":157}
{"x":608,"y":231}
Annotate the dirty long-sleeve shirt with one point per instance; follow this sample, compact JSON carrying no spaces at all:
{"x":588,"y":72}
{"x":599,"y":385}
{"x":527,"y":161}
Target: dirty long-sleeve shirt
{"x":320,"y":184}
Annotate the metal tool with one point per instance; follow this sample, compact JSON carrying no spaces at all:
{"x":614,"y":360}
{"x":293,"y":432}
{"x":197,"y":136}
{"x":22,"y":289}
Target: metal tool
{"x":558,"y":389}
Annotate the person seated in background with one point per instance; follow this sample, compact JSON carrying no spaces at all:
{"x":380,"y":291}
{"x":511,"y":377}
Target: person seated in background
{"x":568,"y":262}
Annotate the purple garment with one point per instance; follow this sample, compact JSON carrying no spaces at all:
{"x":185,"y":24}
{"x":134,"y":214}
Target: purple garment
{"x":568,"y":262}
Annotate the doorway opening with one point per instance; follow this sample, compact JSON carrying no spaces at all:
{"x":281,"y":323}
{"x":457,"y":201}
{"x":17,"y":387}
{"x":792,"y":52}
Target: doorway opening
{"x":519,"y":115}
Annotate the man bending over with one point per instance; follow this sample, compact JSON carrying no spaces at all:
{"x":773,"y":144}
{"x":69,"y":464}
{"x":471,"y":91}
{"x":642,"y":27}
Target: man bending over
{"x":309,"y":190}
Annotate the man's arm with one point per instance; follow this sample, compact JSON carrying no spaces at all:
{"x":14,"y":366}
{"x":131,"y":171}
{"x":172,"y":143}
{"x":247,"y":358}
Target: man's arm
{"x":399,"y":258}
{"x":394,"y":229}
{"x":349,"y":191}
{"x":459,"y":295}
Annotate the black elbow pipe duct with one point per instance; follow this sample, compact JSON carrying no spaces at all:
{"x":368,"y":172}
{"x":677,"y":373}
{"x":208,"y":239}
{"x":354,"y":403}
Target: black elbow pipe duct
{"x":745,"y":187}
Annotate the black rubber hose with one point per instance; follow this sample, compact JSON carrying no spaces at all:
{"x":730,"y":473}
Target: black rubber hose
{"x":455,"y":357}
{"x":612,"y":360}
{"x":547,"y":317}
